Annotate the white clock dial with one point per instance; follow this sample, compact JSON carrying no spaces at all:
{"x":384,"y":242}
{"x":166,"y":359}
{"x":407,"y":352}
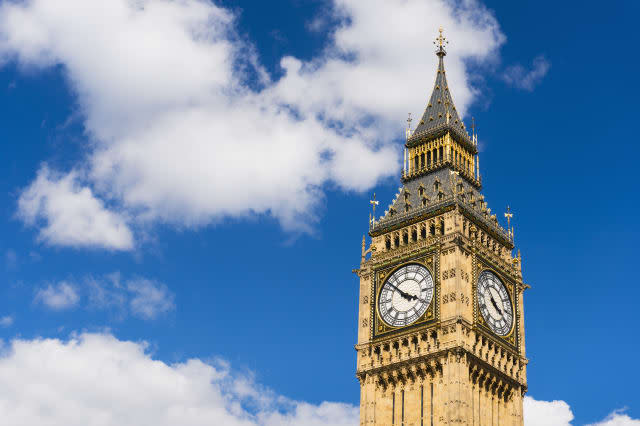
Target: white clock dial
{"x":494,"y":303}
{"x":406,"y":295}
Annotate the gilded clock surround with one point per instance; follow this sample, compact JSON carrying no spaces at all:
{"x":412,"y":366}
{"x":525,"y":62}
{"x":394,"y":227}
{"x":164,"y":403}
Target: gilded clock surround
{"x":447,"y":367}
{"x":380,"y":328}
{"x":511,"y":338}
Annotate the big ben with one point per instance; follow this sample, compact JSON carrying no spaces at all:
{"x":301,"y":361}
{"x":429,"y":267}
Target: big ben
{"x":440,"y":325}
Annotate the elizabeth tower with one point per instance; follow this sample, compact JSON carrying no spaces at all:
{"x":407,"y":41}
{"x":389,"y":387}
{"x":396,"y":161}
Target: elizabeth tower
{"x":440,"y":325}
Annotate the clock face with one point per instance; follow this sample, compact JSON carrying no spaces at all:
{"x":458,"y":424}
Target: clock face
{"x":406,"y":295}
{"x":494,"y":303}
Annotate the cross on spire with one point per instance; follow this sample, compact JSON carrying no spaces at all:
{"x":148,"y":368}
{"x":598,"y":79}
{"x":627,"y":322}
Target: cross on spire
{"x":441,"y":41}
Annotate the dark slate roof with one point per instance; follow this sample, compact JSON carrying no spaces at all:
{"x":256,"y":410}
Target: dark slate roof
{"x":410,"y":195}
{"x":441,"y":114}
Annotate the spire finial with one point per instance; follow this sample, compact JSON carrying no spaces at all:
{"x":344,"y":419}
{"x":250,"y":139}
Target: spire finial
{"x":441,"y":42}
{"x":374,"y":203}
{"x":509,"y":215}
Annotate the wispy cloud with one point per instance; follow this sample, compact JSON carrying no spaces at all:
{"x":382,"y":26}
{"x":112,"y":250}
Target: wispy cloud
{"x":6,"y":321}
{"x":149,"y":299}
{"x":139,"y":297}
{"x":58,"y":297}
{"x":11,"y":259}
{"x":527,"y":78}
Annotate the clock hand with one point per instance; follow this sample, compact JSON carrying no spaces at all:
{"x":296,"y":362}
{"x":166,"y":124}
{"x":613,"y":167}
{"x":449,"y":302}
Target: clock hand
{"x":495,"y":305}
{"x":403,"y":294}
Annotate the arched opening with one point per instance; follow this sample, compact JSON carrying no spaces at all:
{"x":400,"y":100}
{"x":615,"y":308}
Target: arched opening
{"x":423,"y":231}
{"x":442,"y":227}
{"x":429,"y":158}
{"x":405,"y":237}
{"x":387,"y":243}
{"x":440,"y":154}
{"x":422,"y":160}
{"x":396,"y":241}
{"x":414,"y":235}
{"x":432,"y":229}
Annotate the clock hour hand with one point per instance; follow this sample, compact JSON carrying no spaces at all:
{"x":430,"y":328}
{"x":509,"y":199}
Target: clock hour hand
{"x":495,"y":305}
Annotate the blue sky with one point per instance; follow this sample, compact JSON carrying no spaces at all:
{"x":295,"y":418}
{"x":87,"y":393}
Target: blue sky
{"x":196,"y":176}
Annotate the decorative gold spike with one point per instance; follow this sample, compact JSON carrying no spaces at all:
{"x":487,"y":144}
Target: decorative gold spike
{"x":374,"y":203}
{"x":509,"y":216}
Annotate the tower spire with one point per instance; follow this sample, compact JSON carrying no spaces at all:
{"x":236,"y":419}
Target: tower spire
{"x":441,"y":113}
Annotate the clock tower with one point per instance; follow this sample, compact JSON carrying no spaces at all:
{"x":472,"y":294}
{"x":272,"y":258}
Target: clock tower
{"x":440,"y":325}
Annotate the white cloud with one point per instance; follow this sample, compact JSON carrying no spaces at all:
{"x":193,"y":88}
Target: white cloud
{"x":527,"y":79}
{"x":179,"y":136}
{"x":58,"y":296}
{"x":546,"y":413}
{"x":97,"y":380}
{"x":6,"y":321}
{"x":618,"y":418}
{"x":72,"y":215}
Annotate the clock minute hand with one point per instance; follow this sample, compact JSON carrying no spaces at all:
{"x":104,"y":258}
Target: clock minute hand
{"x":403,"y":294}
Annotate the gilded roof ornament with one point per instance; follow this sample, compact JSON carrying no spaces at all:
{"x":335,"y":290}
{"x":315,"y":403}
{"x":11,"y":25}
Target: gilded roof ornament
{"x":440,"y":42}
